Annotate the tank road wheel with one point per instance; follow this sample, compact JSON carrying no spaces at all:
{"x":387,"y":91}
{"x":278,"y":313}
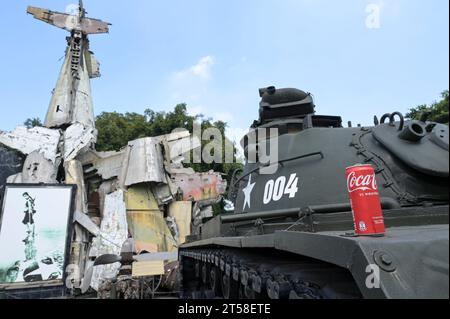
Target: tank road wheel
{"x":250,"y":293}
{"x":209,"y":294}
{"x":190,"y":283}
{"x":304,"y":291}
{"x":278,"y":289}
{"x":205,"y":274}
{"x":233,"y":274}
{"x":241,"y":292}
{"x":197,"y":269}
{"x":196,"y":294}
{"x":259,"y":286}
{"x":246,"y":284}
{"x":215,"y":281}
{"x":230,"y":288}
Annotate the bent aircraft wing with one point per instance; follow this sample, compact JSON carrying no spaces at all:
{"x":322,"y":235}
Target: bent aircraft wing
{"x":69,"y":22}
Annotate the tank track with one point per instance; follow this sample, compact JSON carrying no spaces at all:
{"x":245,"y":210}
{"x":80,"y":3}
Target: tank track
{"x":257,"y":274}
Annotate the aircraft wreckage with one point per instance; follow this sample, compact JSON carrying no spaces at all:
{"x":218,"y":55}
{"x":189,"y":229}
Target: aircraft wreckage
{"x":132,"y":208}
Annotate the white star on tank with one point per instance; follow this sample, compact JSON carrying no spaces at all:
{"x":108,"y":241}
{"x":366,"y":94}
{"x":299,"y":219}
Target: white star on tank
{"x":247,"y":192}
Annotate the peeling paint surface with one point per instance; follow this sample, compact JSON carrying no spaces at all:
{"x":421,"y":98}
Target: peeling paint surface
{"x":78,"y":138}
{"x":83,"y":107}
{"x":150,"y":231}
{"x":38,"y":139}
{"x":59,"y":109}
{"x":37,"y":169}
{"x":181,"y":212}
{"x":113,"y":233}
{"x":200,"y":186}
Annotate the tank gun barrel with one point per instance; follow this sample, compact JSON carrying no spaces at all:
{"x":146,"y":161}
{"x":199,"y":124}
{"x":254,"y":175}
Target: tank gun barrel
{"x":386,"y":203}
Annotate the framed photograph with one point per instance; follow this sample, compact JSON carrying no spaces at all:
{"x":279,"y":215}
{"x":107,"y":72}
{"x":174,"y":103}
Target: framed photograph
{"x":35,"y":234}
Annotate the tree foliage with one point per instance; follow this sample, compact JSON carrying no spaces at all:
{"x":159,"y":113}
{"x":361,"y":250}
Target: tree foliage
{"x":115,"y":130}
{"x":436,"y":112}
{"x":30,"y":123}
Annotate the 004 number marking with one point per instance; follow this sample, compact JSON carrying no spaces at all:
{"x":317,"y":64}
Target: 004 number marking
{"x":276,"y":189}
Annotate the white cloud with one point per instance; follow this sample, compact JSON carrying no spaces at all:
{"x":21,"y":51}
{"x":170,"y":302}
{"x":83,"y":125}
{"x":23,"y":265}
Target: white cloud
{"x":223,"y":116}
{"x":192,"y":84}
{"x":194,"y":110}
{"x":200,"y":70}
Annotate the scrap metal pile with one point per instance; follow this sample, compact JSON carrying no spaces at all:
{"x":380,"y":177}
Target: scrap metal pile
{"x":141,"y":192}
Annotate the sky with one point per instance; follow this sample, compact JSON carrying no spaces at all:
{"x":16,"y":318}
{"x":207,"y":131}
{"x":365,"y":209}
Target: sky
{"x":214,"y":55}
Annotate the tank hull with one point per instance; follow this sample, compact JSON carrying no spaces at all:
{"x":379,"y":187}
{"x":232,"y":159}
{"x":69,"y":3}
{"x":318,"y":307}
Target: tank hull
{"x":410,"y":262}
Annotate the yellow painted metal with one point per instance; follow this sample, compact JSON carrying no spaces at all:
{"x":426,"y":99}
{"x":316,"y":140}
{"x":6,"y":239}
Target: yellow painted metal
{"x":150,"y":232}
{"x":182,"y":212}
{"x":146,"y":222}
{"x":140,"y":197}
{"x":148,"y":268}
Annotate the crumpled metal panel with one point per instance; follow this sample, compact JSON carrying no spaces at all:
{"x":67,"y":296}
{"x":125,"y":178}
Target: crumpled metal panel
{"x":80,"y":238}
{"x":113,"y":233}
{"x":74,"y":176}
{"x":146,"y":222}
{"x":200,"y":186}
{"x":63,"y":108}
{"x":104,"y":189}
{"x":106,"y":164}
{"x":164,"y":193}
{"x":59,"y":110}
{"x":78,"y":139}
{"x":83,"y":107}
{"x":86,"y":222}
{"x":38,"y":139}
{"x":145,"y":163}
{"x":93,"y":65}
{"x":39,"y":170}
{"x":150,"y":231}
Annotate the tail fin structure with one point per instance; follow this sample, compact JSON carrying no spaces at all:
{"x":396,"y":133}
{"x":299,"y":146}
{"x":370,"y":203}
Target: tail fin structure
{"x":70,"y":22}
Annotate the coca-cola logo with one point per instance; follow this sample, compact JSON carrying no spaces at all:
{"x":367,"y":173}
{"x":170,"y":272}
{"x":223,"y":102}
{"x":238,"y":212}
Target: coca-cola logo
{"x":362,"y":182}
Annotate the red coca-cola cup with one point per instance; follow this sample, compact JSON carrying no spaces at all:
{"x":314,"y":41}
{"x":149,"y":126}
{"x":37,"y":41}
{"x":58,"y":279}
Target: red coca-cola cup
{"x":365,"y":201}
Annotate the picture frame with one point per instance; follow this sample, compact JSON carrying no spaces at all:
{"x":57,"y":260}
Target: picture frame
{"x":43,"y":215}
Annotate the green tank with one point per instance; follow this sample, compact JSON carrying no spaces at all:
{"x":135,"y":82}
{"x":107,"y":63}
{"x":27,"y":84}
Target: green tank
{"x":291,"y":234}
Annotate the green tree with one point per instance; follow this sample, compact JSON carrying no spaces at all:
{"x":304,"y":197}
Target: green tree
{"x":30,"y":123}
{"x":115,"y":130}
{"x":436,"y":112}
